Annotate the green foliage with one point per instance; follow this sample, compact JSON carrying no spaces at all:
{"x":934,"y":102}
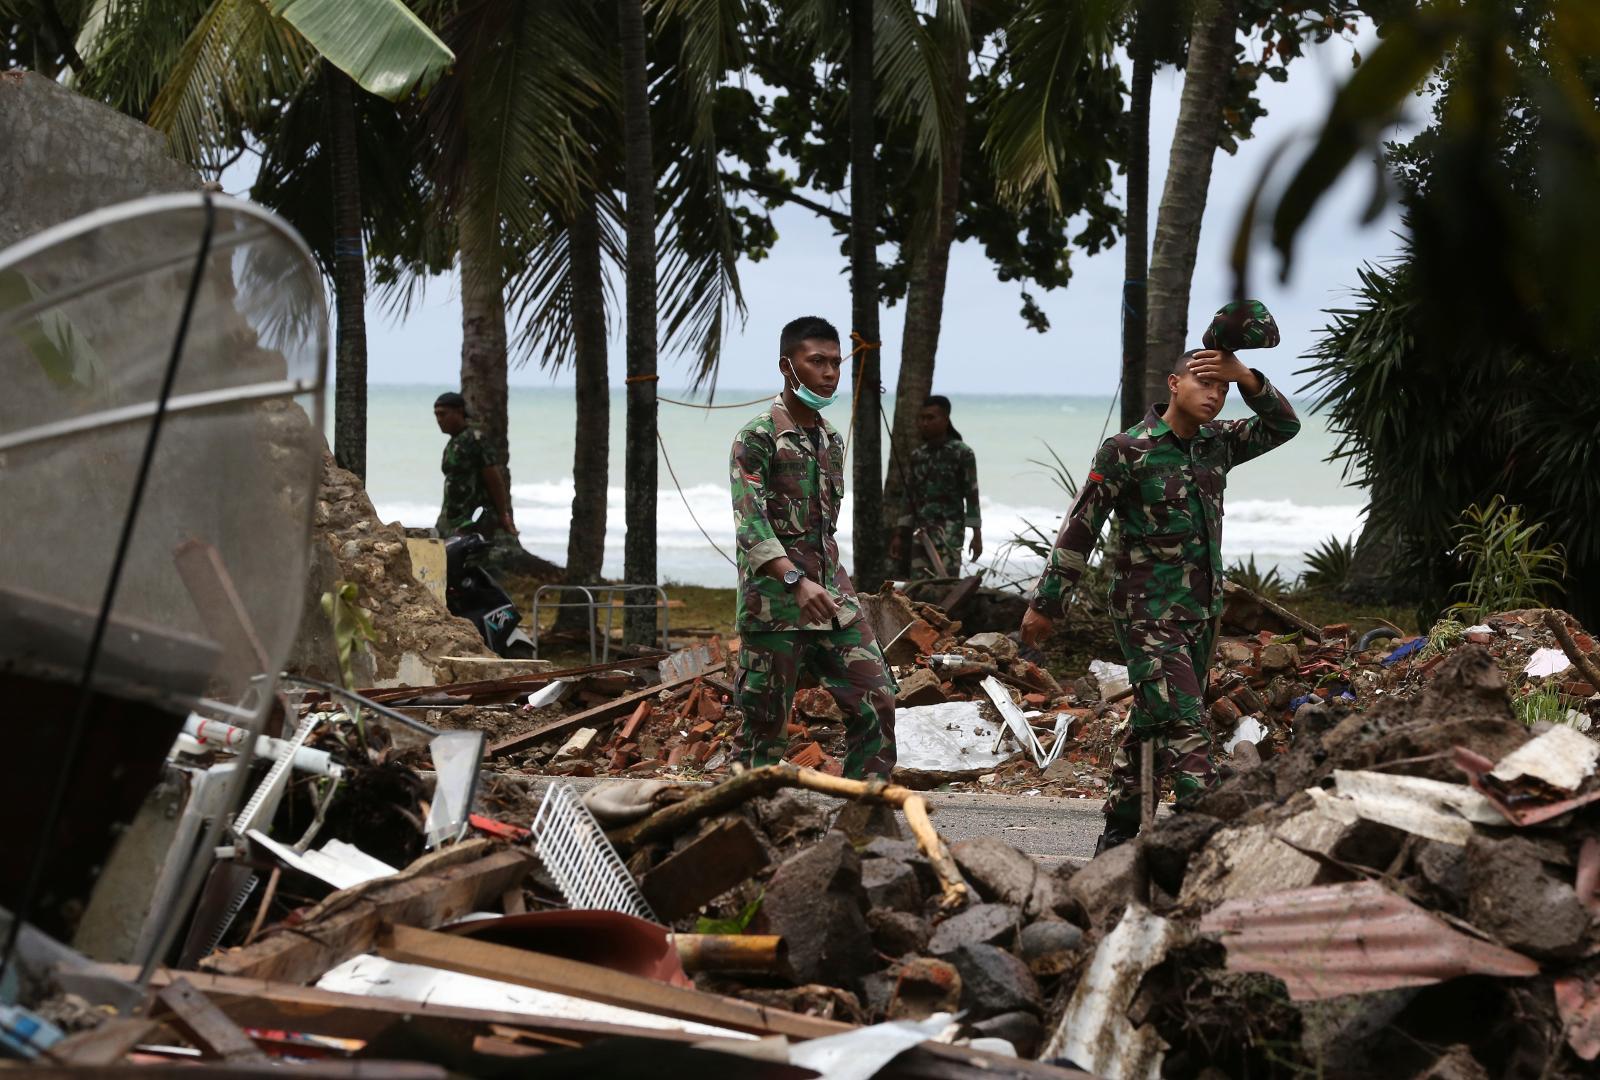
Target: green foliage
{"x":1268,"y":583}
{"x":1542,"y":704}
{"x":352,"y":626}
{"x":1506,"y":566}
{"x":1328,"y":567}
{"x":736,"y":924}
{"x":1444,"y":635}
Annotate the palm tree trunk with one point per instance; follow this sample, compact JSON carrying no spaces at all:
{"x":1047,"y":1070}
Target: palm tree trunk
{"x":586,"y":538}
{"x":1183,"y":203}
{"x":930,"y":265}
{"x":349,"y":277}
{"x":1136,"y":253}
{"x":866,"y":442}
{"x":639,"y":550}
{"x":483,"y":318}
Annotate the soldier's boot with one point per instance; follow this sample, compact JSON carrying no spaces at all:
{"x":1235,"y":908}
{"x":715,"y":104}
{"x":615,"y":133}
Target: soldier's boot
{"x":1116,"y":834}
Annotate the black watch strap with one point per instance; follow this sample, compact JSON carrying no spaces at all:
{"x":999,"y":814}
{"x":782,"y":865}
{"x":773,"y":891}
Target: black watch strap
{"x":791,"y":578}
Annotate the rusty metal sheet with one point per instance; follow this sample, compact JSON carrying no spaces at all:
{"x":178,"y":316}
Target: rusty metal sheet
{"x":1353,"y":938}
{"x":1578,"y":1003}
{"x":1524,"y":802}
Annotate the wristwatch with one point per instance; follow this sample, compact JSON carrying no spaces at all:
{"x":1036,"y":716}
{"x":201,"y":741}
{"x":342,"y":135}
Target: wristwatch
{"x":791,"y":578}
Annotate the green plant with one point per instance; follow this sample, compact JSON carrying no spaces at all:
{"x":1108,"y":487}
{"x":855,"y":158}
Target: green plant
{"x":1328,"y":567}
{"x":352,"y":626}
{"x":1544,"y":703}
{"x":735,"y":924}
{"x":1506,"y":566}
{"x":1268,"y":583}
{"x":1444,"y":635}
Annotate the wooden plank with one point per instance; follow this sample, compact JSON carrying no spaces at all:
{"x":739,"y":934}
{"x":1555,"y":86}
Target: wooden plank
{"x":255,"y":1003}
{"x":205,"y":1025}
{"x":341,"y":927}
{"x":386,"y":695}
{"x":959,"y":595}
{"x":713,"y":863}
{"x":608,"y":711}
{"x":189,"y":1069}
{"x":105,"y":1044}
{"x":554,"y":973}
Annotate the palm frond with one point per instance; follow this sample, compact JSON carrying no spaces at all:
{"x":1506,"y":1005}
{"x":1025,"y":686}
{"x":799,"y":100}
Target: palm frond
{"x":380,"y":44}
{"x":911,"y":62}
{"x":540,"y":294}
{"x":1050,"y":44}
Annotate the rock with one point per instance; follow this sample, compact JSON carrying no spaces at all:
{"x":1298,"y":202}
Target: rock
{"x":1098,"y":892}
{"x":1061,"y":876}
{"x":1003,"y":874}
{"x":877,"y":992}
{"x":1444,"y":866}
{"x":786,"y":817}
{"x":1168,"y":846}
{"x":1021,"y":1029}
{"x":1232,"y":651}
{"x":896,"y":933}
{"x":921,"y":687}
{"x":981,"y":924}
{"x":994,"y":982}
{"x":1513,"y":898}
{"x":863,"y":822}
{"x":906,"y":851}
{"x":996,"y":645}
{"x":891,"y":884}
{"x":1279,"y":657}
{"x":1245,"y":756}
{"x":1313,"y":718}
{"x":924,"y":986}
{"x":578,"y":746}
{"x":1456,"y":1063}
{"x":1049,"y":946}
{"x":815,"y":999}
{"x":817,"y":903}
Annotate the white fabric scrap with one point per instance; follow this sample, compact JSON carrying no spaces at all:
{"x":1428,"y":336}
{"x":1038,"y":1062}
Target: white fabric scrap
{"x":1249,"y":730}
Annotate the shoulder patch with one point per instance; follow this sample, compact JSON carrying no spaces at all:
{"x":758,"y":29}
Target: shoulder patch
{"x":1095,"y":478}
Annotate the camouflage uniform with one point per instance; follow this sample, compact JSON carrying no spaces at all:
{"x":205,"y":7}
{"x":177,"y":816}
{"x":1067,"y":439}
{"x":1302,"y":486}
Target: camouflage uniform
{"x":1166,"y":591}
{"x":942,"y":497}
{"x":786,"y":497}
{"x":466,"y":455}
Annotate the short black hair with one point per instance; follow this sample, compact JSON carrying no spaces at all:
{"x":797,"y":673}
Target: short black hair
{"x":1180,"y":366}
{"x":938,"y":401}
{"x":451,"y":400}
{"x":806,"y":328}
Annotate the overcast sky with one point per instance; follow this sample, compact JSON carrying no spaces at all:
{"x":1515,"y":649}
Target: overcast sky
{"x":984,"y":345}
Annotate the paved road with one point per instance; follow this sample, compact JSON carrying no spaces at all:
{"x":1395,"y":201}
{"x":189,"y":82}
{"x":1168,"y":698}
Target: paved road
{"x":1049,"y":829}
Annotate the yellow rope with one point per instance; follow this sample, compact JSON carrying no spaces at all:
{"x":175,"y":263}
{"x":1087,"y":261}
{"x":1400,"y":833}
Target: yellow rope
{"x":861,"y":346}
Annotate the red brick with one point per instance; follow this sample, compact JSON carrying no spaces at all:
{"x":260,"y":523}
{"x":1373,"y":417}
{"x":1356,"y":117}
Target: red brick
{"x":1224,"y":711}
{"x":640,"y":715}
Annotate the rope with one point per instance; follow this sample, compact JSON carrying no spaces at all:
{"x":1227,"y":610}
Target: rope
{"x":697,"y":405}
{"x":673,"y":473}
{"x":631,"y":379}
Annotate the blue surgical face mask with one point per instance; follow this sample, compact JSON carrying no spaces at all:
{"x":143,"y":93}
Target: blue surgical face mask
{"x":808,"y":396}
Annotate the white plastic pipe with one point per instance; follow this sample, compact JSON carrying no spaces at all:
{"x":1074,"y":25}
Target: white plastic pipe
{"x":211,"y":734}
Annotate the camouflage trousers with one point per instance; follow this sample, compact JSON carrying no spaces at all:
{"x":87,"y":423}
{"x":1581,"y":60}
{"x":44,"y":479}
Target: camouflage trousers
{"x":947,"y":537}
{"x":1169,"y":663}
{"x":847,"y":663}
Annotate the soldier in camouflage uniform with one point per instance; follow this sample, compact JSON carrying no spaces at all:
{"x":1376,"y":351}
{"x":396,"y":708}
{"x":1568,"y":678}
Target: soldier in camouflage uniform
{"x":796,"y":607}
{"x":941,"y":495}
{"x":475,"y":495}
{"x":1163,"y":480}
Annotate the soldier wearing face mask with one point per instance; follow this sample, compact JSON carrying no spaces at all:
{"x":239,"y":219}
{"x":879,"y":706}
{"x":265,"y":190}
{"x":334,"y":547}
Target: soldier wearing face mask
{"x":797,"y":609}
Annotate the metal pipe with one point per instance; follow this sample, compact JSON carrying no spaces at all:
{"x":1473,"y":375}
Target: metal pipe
{"x":763,"y":953}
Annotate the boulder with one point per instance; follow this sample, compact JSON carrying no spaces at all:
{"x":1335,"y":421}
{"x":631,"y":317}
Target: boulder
{"x":817,"y":903}
{"x":921,"y":687}
{"x":994,"y":982}
{"x":996,"y":645}
{"x":896,"y":933}
{"x":1513,"y":897}
{"x":1098,"y":893}
{"x":1005,"y":875}
{"x":981,"y":924}
{"x":891,"y":884}
{"x":1050,"y":947}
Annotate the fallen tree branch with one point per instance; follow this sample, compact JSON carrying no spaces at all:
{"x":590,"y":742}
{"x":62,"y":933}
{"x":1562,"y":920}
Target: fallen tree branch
{"x":756,"y":783}
{"x":1591,"y":673}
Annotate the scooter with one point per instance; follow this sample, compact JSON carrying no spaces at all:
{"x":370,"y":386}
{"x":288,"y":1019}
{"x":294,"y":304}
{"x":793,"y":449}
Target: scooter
{"x":472,"y":593}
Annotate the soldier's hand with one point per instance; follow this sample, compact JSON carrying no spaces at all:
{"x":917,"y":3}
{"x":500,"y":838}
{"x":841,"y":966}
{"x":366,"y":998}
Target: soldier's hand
{"x":977,"y":544}
{"x":815,"y":603}
{"x":1035,"y":627}
{"x":1218,"y":365}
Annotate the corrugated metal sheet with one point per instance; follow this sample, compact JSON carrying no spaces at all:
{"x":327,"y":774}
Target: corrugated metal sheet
{"x":1523,"y":803}
{"x":1578,"y":1003}
{"x":1354,"y":938}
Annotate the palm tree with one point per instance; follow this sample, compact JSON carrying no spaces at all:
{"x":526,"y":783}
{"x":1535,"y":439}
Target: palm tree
{"x":212,"y":81}
{"x":1183,"y":201}
{"x":1136,"y":236}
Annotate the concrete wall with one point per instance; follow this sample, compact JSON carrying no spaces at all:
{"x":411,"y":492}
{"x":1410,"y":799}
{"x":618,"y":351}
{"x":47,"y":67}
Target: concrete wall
{"x":62,"y":155}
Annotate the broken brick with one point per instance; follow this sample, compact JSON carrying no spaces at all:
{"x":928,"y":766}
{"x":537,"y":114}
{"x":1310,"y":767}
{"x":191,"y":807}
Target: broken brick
{"x":807,"y":755}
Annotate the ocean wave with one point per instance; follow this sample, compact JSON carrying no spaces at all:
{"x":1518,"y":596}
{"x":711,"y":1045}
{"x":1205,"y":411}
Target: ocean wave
{"x":1276,"y":532}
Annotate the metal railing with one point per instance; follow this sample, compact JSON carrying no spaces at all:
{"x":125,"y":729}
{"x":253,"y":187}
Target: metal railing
{"x":597,"y":597}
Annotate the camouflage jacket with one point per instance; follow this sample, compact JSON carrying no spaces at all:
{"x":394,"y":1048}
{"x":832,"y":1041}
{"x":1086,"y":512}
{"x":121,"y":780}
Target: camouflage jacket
{"x":943,"y":486}
{"x":786,"y":502}
{"x":1167,"y":562}
{"x":466,"y":455}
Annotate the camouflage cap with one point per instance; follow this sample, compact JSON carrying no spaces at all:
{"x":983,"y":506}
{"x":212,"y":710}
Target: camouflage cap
{"x":1242,"y":324}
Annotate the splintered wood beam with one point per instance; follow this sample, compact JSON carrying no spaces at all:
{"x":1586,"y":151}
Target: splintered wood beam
{"x":608,"y":711}
{"x":593,"y":983}
{"x":347,"y":923}
{"x":206,"y":1026}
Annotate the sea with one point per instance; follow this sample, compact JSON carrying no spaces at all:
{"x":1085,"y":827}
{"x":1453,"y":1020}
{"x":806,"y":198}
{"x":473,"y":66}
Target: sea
{"x":1279,"y":506}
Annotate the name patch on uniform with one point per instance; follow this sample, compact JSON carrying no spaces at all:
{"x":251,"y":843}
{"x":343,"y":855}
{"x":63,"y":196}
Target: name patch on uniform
{"x":1094,"y":477}
{"x":753,"y":478}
